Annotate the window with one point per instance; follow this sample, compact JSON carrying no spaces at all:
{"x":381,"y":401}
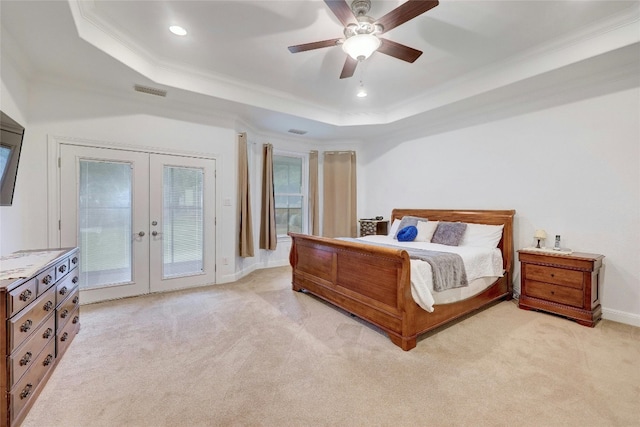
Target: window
{"x":289,"y":187}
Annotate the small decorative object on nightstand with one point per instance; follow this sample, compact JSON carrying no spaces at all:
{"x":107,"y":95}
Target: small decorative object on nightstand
{"x":539,"y":235}
{"x":564,"y":284}
{"x":373,"y":226}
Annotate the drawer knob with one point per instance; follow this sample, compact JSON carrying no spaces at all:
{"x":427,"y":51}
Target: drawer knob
{"x":75,"y":279}
{"x":47,"y":333}
{"x":47,"y":361}
{"x":64,"y":313}
{"x":62,"y":268}
{"x":26,"y":295}
{"x":63,"y":290}
{"x":76,"y":299}
{"x":26,"y":325}
{"x":553,"y":275}
{"x":47,"y":279}
{"x":26,"y":358}
{"x":48,"y":306}
{"x":64,"y":337}
{"x":76,"y":319}
{"x":74,"y":260}
{"x":26,"y":392}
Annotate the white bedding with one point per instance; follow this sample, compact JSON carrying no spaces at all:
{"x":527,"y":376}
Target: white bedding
{"x":483,"y":267}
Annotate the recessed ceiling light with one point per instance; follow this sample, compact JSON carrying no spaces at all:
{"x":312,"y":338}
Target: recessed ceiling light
{"x":178,"y":30}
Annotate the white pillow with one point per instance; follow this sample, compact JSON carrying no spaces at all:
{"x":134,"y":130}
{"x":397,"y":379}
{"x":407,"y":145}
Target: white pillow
{"x":426,"y":230}
{"x":394,"y":227}
{"x":482,"y":235}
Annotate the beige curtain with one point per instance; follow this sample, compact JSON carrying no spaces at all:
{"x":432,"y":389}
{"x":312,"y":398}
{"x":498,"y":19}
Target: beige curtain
{"x":268,"y":238}
{"x":246,"y":228}
{"x":314,"y":220}
{"x":339,"y":202}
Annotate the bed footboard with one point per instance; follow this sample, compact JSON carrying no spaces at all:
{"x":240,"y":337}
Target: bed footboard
{"x":372,"y":282}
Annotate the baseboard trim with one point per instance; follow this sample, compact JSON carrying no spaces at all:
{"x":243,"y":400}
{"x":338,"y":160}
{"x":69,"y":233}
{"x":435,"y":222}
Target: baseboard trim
{"x":621,"y":317}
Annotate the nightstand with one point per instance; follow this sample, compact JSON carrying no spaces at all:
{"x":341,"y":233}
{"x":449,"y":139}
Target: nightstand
{"x":373,"y":226}
{"x":568,"y":285}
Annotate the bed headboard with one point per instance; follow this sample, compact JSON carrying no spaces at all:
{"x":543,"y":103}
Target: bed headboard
{"x":497,"y":217}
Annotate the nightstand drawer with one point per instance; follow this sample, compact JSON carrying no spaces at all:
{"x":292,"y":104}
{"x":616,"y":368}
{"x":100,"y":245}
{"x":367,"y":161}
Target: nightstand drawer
{"x":558,"y":276}
{"x":554,"y":293}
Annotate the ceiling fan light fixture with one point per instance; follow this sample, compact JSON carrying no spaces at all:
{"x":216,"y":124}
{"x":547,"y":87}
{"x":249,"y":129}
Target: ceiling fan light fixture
{"x":361,"y":46}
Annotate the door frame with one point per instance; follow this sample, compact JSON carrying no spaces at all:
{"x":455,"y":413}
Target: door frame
{"x":53,"y":183}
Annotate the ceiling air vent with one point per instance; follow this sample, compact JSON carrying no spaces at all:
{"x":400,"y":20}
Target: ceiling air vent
{"x":297,"y":131}
{"x":150,"y":90}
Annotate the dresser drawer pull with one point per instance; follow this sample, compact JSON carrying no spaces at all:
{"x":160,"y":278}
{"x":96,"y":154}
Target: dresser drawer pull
{"x":64,"y":313}
{"x":47,"y":360}
{"x":553,"y":275}
{"x":48,"y":306}
{"x":47,"y":279}
{"x":76,"y":319}
{"x":64,"y":337}
{"x":63,"y":291}
{"x":26,"y":358}
{"x":47,"y":333}
{"x":62,"y":268}
{"x":26,"y":295}
{"x":26,"y":392}
{"x":75,"y":279}
{"x":26,"y":325}
{"x":76,"y":299}
{"x":74,"y":260}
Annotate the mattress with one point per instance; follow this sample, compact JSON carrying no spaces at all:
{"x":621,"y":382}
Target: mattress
{"x":483,"y":266}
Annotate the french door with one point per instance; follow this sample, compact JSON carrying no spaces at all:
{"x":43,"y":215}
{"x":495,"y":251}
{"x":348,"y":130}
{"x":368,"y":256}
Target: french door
{"x":144,"y":222}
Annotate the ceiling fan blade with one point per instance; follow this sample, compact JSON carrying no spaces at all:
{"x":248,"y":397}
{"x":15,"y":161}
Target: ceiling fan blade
{"x":349,"y":67}
{"x":314,"y":45}
{"x":398,"y":50}
{"x":405,"y":12}
{"x":342,"y":10}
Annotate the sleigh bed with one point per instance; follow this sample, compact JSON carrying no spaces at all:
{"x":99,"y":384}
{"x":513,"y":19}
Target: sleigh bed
{"x":373,"y":282}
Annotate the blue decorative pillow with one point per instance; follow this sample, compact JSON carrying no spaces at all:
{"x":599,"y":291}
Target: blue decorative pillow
{"x":407,"y":221}
{"x":407,"y":234}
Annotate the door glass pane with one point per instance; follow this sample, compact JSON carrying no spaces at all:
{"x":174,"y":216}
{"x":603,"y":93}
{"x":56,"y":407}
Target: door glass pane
{"x":105,"y":217}
{"x":183,"y":221}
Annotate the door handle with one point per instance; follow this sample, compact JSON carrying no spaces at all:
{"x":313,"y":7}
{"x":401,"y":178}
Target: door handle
{"x":141,"y":234}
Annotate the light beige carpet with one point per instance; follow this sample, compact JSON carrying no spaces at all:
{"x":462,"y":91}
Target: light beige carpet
{"x":256,"y":353}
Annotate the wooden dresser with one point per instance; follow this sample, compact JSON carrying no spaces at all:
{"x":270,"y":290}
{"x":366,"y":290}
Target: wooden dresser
{"x":568,"y":285}
{"x":40,"y":318}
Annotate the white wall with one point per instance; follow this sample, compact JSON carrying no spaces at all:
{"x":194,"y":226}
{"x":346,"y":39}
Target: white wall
{"x":13,"y":102}
{"x":68,"y":114}
{"x":572,"y":170}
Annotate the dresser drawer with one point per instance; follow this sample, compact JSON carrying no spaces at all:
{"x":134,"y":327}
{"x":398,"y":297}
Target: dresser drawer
{"x":558,"y":276}
{"x":554,"y":293}
{"x":62,"y":268}
{"x":21,"y":326}
{"x":68,"y":333}
{"x":23,"y":357}
{"x":26,"y":387}
{"x":22,"y":296}
{"x":46,"y":279}
{"x":66,"y":285}
{"x":68,"y":306}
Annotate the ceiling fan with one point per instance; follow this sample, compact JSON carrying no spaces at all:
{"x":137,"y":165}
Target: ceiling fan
{"x":362,"y":33}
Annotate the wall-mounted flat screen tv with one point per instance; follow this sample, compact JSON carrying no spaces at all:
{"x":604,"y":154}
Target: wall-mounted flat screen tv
{"x":10,"y":147}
